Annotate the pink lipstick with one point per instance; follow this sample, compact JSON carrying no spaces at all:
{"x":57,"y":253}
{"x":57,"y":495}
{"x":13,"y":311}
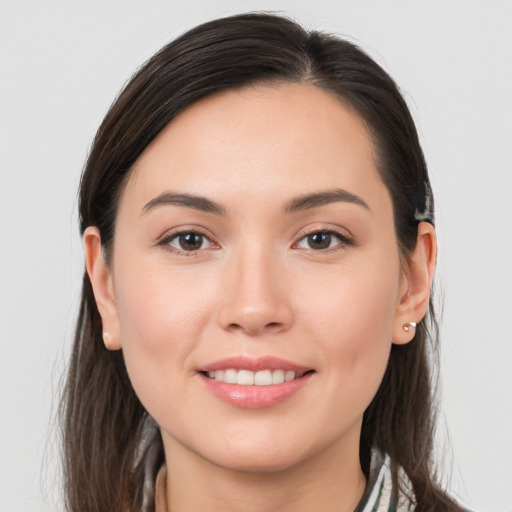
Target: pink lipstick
{"x":254,"y":383}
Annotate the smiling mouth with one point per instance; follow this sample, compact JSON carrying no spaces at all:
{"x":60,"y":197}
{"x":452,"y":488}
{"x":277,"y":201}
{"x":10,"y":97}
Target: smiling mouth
{"x":258,"y":378}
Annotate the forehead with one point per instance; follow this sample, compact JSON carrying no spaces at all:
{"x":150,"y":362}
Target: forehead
{"x":267,"y":141}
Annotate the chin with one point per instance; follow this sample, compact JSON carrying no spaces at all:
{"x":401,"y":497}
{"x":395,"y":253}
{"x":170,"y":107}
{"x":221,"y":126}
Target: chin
{"x":257,"y":458}
{"x":258,"y":463}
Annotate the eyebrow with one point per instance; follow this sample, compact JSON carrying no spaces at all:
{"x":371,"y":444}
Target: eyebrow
{"x":188,"y":200}
{"x":323,"y":198}
{"x":300,"y":203}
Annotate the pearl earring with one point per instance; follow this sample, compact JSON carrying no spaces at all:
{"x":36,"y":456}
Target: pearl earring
{"x":409,"y":325}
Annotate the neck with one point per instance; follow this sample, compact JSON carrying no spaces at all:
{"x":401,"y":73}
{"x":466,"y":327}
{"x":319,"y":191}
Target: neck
{"x":331,"y":480}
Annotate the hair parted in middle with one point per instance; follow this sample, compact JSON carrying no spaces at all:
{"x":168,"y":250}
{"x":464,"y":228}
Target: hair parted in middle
{"x":104,"y":424}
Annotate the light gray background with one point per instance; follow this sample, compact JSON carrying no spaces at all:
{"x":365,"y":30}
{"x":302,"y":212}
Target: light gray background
{"x":61,"y":65}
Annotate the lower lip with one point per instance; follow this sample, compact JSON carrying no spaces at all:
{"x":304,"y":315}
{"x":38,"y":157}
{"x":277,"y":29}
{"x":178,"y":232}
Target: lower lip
{"x":255,"y":397}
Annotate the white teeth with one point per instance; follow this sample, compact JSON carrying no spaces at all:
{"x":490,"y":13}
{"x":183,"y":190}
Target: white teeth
{"x":277,"y":376}
{"x":263,"y":378}
{"x":249,"y":378}
{"x":245,"y":378}
{"x":230,"y":376}
{"x":289,"y":375}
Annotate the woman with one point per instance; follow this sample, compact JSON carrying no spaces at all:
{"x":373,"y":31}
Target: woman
{"x":259,"y":243}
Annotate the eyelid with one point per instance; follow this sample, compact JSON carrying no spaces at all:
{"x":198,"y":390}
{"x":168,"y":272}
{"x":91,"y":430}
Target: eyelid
{"x":164,"y":239}
{"x":346,"y":238}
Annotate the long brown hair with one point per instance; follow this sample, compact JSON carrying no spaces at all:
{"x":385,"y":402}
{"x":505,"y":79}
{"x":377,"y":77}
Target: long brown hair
{"x":107,"y":433}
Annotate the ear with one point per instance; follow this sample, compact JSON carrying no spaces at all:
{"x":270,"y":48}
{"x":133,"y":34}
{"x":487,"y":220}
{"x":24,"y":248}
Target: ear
{"x":100,"y":276}
{"x":418,"y":274}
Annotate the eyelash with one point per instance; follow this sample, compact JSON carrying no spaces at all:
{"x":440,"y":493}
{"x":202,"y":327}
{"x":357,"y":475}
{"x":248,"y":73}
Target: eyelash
{"x":343,"y":241}
{"x":166,"y":242}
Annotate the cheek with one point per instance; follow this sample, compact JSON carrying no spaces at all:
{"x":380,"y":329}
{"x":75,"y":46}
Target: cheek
{"x":353,"y":322}
{"x":155,"y":314}
{"x":161,"y":321}
{"x":354,"y":303}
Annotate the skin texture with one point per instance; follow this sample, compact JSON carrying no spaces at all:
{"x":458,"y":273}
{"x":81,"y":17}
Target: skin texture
{"x":257,"y":287}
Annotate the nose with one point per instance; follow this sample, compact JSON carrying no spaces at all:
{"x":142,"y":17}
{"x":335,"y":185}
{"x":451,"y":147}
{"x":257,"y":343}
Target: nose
{"x":254,"y":299}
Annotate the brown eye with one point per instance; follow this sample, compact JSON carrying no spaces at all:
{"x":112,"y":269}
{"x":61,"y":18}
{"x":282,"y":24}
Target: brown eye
{"x":189,"y":242}
{"x":319,"y":240}
{"x":322,"y":240}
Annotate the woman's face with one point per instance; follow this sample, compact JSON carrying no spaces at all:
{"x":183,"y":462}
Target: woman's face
{"x":255,"y":239}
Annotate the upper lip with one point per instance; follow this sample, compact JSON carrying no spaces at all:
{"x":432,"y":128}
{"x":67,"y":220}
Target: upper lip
{"x":254,"y":364}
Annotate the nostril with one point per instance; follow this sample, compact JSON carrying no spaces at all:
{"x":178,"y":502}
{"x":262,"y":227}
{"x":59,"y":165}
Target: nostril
{"x":255,"y":319}
{"x":273,"y":327}
{"x":256,"y":329}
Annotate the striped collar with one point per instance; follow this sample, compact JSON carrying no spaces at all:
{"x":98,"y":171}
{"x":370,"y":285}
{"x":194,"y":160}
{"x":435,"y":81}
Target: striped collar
{"x":381,"y":495}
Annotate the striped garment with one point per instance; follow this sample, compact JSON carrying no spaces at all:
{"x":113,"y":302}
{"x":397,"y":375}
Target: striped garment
{"x":380,"y":494}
